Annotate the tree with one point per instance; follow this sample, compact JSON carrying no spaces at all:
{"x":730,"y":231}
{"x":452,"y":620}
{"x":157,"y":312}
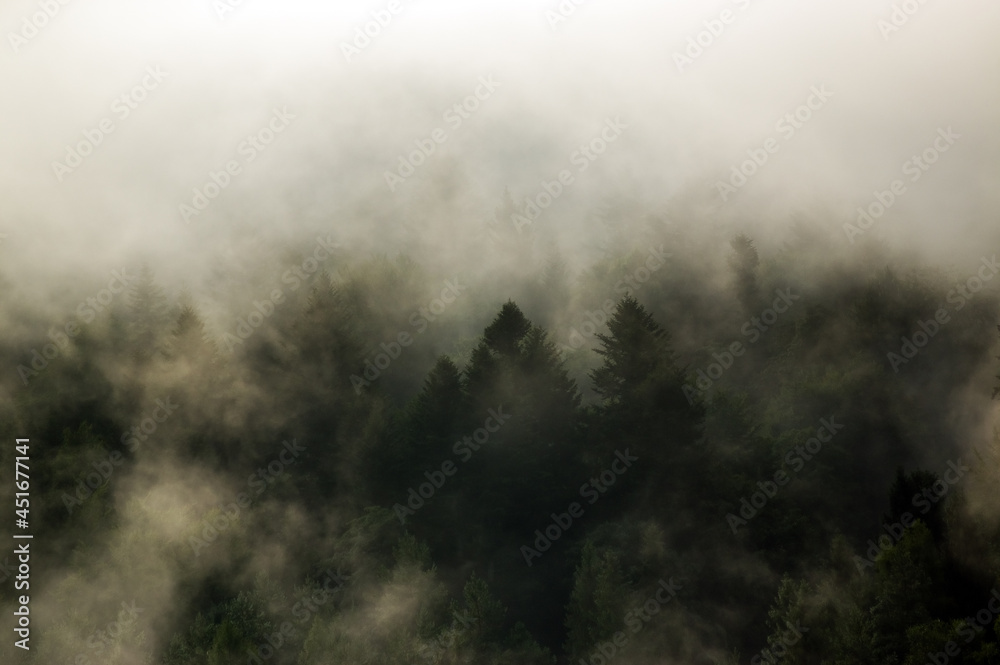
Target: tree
{"x":633,"y":352}
{"x":909,"y":585}
{"x":419,"y":437}
{"x":788,"y":613}
{"x":642,"y":389}
{"x":596,"y":605}
{"x":529,"y":460}
{"x":147,"y":314}
{"x":485,"y":613}
{"x":504,"y":335}
{"x":904,"y":487}
{"x":189,"y":340}
{"x":996,"y":390}
{"x":223,"y":636}
{"x":744,"y":263}
{"x":516,"y":365}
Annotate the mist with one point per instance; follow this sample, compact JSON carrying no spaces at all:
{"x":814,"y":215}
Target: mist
{"x":266,"y":265}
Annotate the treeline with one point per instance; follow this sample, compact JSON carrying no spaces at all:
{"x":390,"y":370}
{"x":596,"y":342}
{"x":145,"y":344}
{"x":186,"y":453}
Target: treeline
{"x":714,"y":477}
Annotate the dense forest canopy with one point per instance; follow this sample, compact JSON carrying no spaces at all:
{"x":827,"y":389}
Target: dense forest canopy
{"x":794,"y":461}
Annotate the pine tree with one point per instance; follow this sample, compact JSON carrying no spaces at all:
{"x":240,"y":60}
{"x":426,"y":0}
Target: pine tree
{"x":531,"y":459}
{"x":636,"y":349}
{"x":485,"y":612}
{"x":436,"y":408}
{"x":148,"y":314}
{"x":504,"y":335}
{"x":904,"y":487}
{"x":596,"y":606}
{"x":744,"y":263}
{"x":996,"y":390}
{"x":512,"y":350}
{"x":421,"y":436}
{"x":189,"y":340}
{"x":644,"y":406}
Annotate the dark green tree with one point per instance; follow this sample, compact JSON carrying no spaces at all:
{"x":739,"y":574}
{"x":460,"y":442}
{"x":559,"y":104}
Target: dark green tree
{"x":635,"y":350}
{"x":596,"y":607}
{"x":485,"y":612}
{"x":517,"y":371}
{"x":643,"y":402}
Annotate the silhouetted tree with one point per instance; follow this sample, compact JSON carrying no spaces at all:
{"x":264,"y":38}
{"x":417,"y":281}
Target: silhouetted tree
{"x":744,"y":263}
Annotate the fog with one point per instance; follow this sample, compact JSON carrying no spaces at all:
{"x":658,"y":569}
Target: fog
{"x":686,"y":129}
{"x":219,"y":146}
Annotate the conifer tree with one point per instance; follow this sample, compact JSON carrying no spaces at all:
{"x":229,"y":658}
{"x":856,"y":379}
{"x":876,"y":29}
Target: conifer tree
{"x":189,"y":340}
{"x":596,"y":606}
{"x":635,"y":349}
{"x":487,"y":614}
{"x":148,"y":314}
{"x":744,"y":263}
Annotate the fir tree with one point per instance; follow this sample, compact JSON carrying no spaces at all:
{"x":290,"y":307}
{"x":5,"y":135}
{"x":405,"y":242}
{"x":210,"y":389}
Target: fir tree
{"x":148,"y":314}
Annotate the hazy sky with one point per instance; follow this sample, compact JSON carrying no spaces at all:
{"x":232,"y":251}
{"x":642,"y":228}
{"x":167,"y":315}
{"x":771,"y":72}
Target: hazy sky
{"x":559,"y":82}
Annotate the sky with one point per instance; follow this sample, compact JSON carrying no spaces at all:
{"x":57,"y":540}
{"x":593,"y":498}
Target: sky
{"x":690,"y":114}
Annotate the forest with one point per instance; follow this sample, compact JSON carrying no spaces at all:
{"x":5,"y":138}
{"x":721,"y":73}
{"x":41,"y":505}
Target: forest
{"x":559,"y":332}
{"x":690,"y":450}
